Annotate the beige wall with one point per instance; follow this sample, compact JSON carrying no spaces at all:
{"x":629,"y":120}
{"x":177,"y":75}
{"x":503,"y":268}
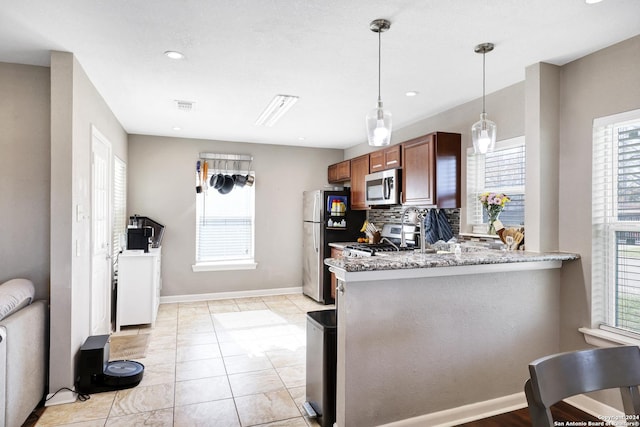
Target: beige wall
{"x":75,"y":107}
{"x":597,"y":85}
{"x":161,"y":186}
{"x":25,"y":174}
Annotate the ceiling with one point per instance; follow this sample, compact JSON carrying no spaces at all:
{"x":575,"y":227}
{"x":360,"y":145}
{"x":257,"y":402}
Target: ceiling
{"x":239,"y":54}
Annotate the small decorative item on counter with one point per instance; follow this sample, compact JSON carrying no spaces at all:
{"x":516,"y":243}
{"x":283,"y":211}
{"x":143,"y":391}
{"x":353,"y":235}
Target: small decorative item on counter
{"x":457,"y":250}
{"x":493,"y":203}
{"x":512,"y":237}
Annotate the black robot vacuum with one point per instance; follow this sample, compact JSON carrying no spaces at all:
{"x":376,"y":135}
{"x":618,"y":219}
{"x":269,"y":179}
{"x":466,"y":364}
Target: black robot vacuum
{"x":96,"y":374}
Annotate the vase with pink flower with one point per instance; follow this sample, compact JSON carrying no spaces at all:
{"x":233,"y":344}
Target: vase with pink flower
{"x":493,"y":203}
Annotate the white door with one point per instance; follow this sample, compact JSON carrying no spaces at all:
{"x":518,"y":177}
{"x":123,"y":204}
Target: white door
{"x":100,"y":234}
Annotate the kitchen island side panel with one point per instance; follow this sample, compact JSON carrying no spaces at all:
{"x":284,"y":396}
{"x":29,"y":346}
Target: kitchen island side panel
{"x":416,"y":346}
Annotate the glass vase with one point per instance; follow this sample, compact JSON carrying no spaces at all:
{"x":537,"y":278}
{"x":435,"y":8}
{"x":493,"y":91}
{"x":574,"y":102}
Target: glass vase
{"x":493,"y":217}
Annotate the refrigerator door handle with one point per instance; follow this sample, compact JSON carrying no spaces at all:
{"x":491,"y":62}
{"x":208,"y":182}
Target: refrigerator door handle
{"x":316,"y":208}
{"x":316,"y":233}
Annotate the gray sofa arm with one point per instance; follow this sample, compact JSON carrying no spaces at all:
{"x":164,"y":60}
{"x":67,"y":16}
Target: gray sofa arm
{"x":23,"y":355}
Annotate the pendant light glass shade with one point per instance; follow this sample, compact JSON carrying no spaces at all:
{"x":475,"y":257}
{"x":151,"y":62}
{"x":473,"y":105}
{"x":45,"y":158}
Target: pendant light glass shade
{"x":378,"y":120}
{"x":483,"y":132}
{"x":379,"y":126}
{"x":483,"y":135}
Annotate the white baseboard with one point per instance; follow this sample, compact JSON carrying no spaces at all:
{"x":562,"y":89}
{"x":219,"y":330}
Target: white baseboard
{"x":228,"y":295}
{"x":501,"y":405}
{"x":466,"y":413}
{"x":594,"y":407}
{"x":60,"y":398}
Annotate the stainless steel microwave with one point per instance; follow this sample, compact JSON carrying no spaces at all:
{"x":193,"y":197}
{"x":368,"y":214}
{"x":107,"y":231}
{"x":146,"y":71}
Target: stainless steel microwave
{"x":382,"y":188}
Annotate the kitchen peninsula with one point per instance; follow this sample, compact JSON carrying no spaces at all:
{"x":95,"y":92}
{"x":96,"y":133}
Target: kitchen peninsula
{"x":419,"y":334}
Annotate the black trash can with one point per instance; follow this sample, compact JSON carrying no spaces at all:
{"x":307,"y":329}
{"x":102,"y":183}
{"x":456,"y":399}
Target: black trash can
{"x":321,"y":366}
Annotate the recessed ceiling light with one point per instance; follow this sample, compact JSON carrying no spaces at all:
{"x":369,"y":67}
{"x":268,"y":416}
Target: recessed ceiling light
{"x":412,"y":93}
{"x":301,"y":138}
{"x":173,"y":54}
{"x":177,"y":128}
{"x":592,"y":1}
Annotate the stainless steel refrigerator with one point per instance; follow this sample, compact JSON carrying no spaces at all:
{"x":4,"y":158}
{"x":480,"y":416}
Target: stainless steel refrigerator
{"x":327,"y":217}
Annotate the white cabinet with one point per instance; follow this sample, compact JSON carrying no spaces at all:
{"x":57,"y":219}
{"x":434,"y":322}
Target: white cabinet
{"x":139,"y":284}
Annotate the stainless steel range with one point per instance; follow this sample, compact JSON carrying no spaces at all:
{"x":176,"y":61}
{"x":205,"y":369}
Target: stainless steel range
{"x":390,"y":242}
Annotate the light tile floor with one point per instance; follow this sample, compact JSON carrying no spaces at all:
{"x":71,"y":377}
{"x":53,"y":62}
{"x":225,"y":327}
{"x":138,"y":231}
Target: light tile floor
{"x":235,"y":362}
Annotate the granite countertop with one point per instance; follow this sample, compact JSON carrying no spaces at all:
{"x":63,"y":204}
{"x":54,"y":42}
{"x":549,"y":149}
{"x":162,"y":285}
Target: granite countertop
{"x":469,"y":256}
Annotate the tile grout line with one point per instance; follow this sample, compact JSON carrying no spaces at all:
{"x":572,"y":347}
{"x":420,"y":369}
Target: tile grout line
{"x":215,"y":331}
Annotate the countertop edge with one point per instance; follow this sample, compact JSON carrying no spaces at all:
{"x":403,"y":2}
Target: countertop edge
{"x":397,"y":267}
{"x":458,"y":270}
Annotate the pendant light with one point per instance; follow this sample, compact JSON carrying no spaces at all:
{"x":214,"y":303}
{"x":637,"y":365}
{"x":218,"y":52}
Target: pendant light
{"x":483,"y":133}
{"x":379,"y":120}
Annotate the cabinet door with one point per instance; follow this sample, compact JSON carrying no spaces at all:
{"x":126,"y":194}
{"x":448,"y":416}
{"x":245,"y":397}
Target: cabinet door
{"x":339,"y":172}
{"x":344,"y":170}
{"x":376,"y":161}
{"x":418,"y":178}
{"x":332,"y":173}
{"x":359,"y":168}
{"x":393,"y":157}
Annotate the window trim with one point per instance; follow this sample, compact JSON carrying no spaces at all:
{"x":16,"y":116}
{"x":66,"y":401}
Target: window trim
{"x":224,"y":266}
{"x":600,"y":333}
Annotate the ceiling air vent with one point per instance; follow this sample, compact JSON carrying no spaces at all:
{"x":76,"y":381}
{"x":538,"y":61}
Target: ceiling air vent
{"x":184,"y":105}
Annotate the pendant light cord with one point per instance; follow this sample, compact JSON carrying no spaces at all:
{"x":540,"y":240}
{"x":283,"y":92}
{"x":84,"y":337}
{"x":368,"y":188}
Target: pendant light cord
{"x":379,"y":61}
{"x":483,"y":80}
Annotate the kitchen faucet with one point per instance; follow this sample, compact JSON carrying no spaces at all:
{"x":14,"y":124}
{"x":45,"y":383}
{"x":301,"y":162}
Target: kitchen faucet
{"x":420,"y":215}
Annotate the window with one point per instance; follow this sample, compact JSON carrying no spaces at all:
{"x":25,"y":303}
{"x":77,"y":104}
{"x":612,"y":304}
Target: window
{"x":119,"y":205}
{"x":225,"y":228}
{"x":499,"y":171}
{"x":616,"y":221}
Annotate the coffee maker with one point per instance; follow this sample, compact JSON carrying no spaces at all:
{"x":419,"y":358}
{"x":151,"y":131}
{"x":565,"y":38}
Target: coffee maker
{"x":139,"y":238}
{"x":143,"y":233}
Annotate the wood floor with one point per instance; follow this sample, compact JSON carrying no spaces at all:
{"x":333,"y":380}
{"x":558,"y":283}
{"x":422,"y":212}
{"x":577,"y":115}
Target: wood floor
{"x":561,"y":411}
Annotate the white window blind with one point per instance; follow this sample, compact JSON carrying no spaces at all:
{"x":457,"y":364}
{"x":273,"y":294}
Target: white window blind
{"x":119,"y":204}
{"x":225,"y":225}
{"x":616,"y":221}
{"x":499,"y":171}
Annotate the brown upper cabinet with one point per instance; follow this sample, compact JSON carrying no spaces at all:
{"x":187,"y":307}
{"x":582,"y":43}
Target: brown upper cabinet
{"x":431,"y":170}
{"x":359,"y":168}
{"x":339,"y":172}
{"x":387,"y":158}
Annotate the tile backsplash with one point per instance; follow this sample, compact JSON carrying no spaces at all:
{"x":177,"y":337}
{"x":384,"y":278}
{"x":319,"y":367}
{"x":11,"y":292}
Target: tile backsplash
{"x":393,"y":215}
